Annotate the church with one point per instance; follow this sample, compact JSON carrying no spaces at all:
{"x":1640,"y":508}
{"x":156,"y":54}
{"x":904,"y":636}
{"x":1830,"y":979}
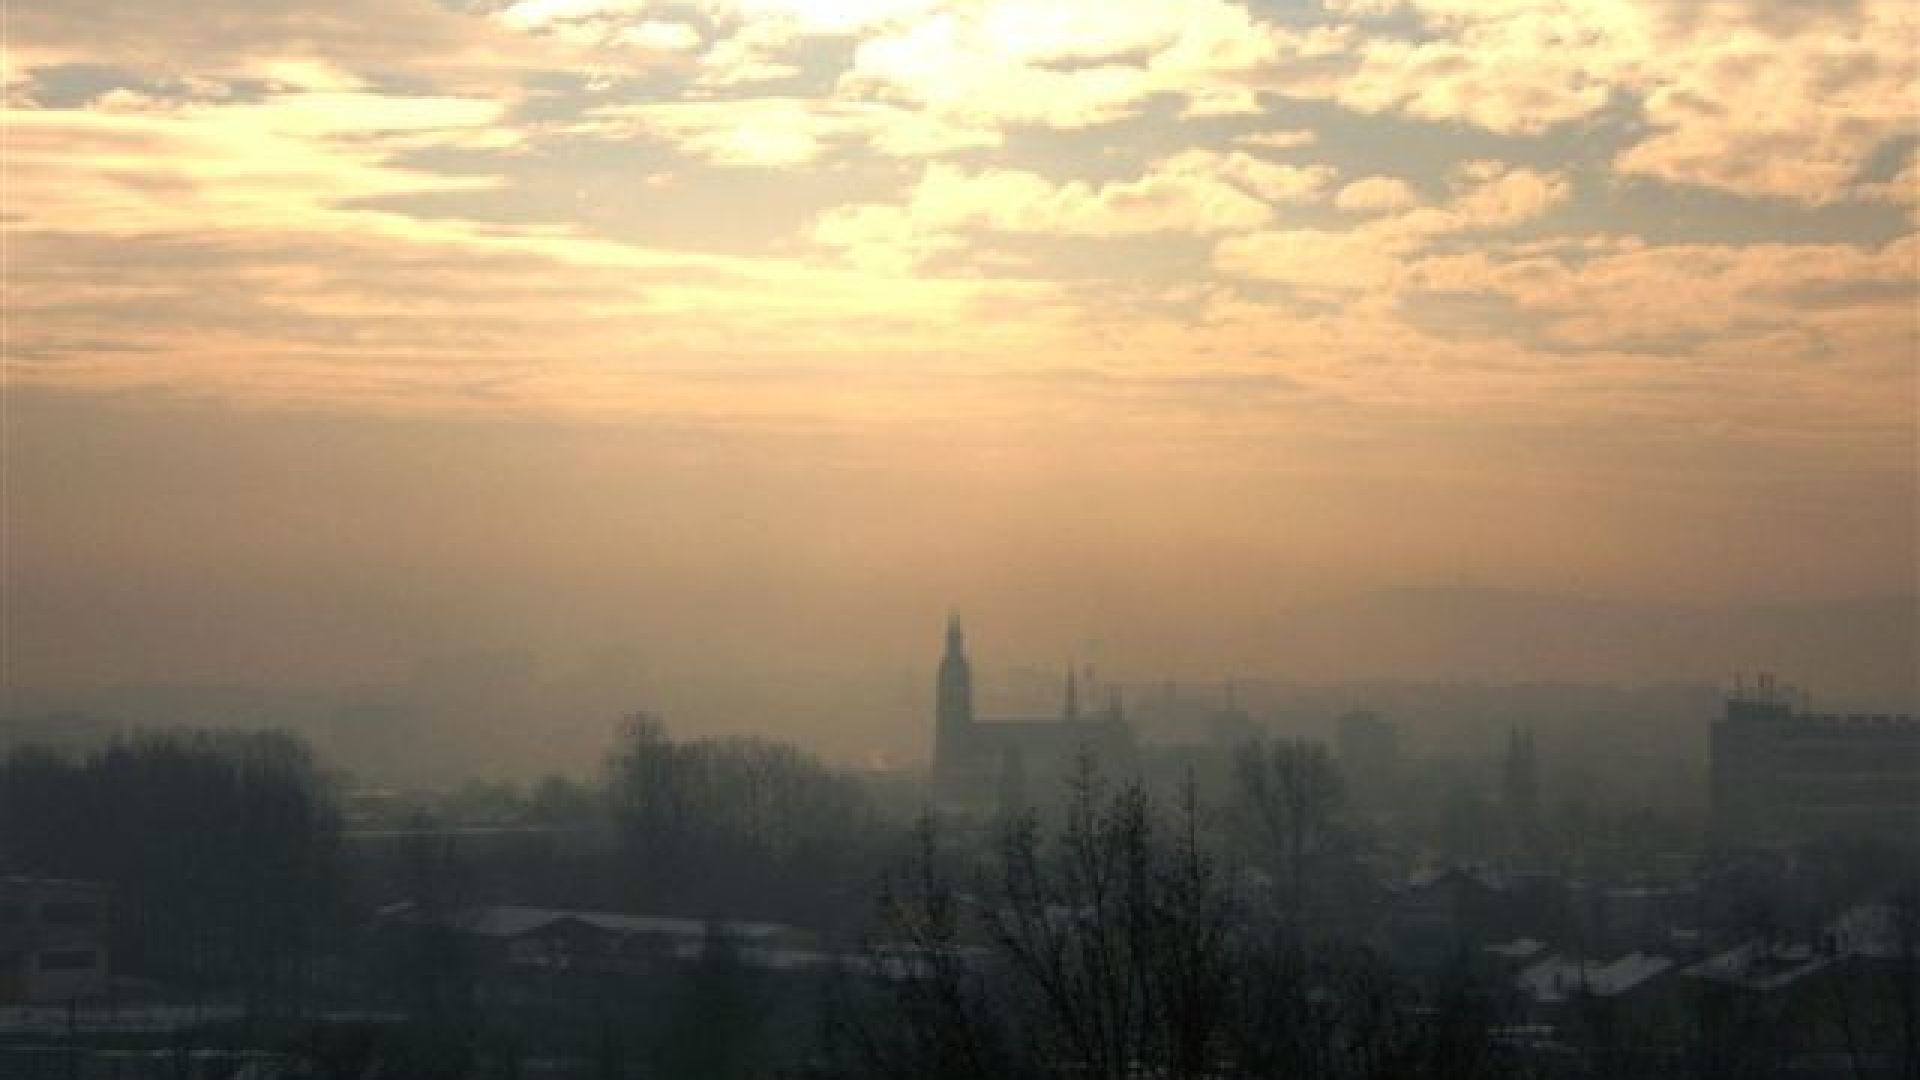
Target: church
{"x":985,"y":766}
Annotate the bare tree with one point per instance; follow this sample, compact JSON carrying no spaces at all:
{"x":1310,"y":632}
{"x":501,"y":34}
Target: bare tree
{"x":1289,"y":813}
{"x":917,"y":1007}
{"x":1110,"y":949}
{"x":1118,"y":944}
{"x":736,"y":826}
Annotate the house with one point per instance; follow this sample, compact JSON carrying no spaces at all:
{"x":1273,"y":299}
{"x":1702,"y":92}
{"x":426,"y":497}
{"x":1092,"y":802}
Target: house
{"x":559,"y":941}
{"x":1438,"y":915}
{"x":1558,"y":979}
{"x":53,"y":940}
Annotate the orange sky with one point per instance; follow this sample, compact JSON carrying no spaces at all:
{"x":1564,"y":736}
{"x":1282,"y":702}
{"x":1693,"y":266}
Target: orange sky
{"x":392,"y":325}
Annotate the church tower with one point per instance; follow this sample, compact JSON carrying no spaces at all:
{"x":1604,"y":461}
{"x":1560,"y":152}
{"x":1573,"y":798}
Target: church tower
{"x":953,"y":706}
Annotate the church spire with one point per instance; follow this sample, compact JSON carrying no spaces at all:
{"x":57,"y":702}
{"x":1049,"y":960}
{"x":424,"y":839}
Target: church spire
{"x":953,"y":699}
{"x":1071,"y":712}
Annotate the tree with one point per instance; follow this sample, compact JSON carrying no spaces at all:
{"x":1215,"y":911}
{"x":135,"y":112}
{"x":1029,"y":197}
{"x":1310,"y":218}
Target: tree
{"x":736,"y":826}
{"x":1289,"y":812}
{"x":222,"y":849}
{"x":1118,"y":943}
{"x":1101,"y":955}
{"x":714,"y":1026}
{"x":1113,"y":950}
{"x":917,"y":1006}
{"x":435,"y":962}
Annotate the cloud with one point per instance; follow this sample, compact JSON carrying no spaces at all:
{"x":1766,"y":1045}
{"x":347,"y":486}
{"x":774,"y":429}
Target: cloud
{"x":603,"y":24}
{"x":1513,"y":67}
{"x":136,"y":163}
{"x":464,"y":318}
{"x":1817,"y":302}
{"x":1373,"y":255}
{"x":269,"y":202}
{"x":1349,"y":261}
{"x":244,"y":39}
{"x":1275,"y":183}
{"x":826,"y":18}
{"x":1194,"y":192}
{"x":240,"y":248}
{"x":1754,"y":99}
{"x":1492,"y":195}
{"x":1376,"y":193}
{"x":1757,"y":99}
{"x":777,"y":132}
{"x":359,"y":320}
{"x":766,"y":132}
{"x":1792,"y":112}
{"x":1279,"y":138}
{"x":753,"y":53}
{"x":1072,"y":64}
{"x":1902,"y":188}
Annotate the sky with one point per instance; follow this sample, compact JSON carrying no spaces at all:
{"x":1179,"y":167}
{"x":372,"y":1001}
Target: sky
{"x":765,"y":332}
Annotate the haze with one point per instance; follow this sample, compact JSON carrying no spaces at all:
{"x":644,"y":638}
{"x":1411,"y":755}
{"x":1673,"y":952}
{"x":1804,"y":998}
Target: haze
{"x":713,"y":342}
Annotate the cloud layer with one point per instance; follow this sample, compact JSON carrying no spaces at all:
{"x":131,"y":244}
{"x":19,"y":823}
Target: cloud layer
{"x":1231,"y":227}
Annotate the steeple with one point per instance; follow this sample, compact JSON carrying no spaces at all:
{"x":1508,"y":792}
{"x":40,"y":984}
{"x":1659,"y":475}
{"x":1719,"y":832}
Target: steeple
{"x":1071,"y":712}
{"x":953,"y":700}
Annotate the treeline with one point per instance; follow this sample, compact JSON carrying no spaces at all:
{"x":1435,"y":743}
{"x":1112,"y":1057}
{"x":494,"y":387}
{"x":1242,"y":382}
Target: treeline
{"x":230,"y":869}
{"x":695,"y":828}
{"x":739,"y":827}
{"x":1217,"y":924}
{"x":1120,"y":944}
{"x":222,"y":851}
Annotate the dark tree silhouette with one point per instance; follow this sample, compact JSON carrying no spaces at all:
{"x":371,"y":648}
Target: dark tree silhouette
{"x":1114,"y":950}
{"x":737,"y":827}
{"x":222,"y":850}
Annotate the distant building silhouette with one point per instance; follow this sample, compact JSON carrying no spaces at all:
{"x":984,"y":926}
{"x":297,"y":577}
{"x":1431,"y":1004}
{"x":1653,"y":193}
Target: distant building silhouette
{"x":981,"y":766}
{"x":53,"y":940}
{"x":1781,"y":775}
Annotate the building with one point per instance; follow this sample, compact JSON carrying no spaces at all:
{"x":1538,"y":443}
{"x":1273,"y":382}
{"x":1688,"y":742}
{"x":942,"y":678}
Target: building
{"x":53,"y":940}
{"x":1559,"y":979}
{"x":980,"y":766}
{"x":1781,"y":775}
{"x":513,"y":937}
{"x":1834,"y":1000}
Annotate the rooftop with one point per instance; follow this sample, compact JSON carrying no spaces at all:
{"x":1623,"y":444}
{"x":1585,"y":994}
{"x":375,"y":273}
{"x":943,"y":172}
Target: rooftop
{"x":1558,"y":978}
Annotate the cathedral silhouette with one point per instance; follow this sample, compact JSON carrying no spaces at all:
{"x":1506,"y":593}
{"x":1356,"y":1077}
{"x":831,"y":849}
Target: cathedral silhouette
{"x":984,"y":766}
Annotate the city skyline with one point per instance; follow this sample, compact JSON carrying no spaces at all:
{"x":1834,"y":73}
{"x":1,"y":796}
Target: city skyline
{"x":978,"y":539}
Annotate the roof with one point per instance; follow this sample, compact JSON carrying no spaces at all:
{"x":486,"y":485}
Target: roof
{"x":512,"y":921}
{"x":1518,"y":948}
{"x":1558,"y":978}
{"x":1481,"y":877}
{"x":1870,"y":931}
{"x":1760,"y":968}
{"x":1626,"y":973}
